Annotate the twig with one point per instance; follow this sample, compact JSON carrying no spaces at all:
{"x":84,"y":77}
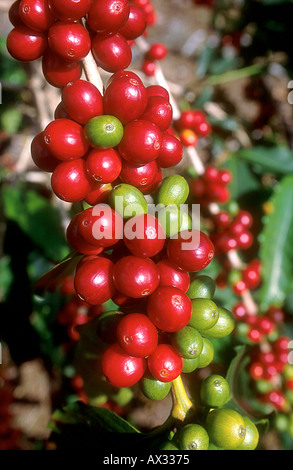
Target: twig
{"x":92,"y":72}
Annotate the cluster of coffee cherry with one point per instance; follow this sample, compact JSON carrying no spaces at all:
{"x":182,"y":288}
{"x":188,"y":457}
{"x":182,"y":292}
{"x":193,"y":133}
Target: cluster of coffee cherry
{"x":212,"y":187}
{"x":192,"y":125}
{"x":156,"y":52}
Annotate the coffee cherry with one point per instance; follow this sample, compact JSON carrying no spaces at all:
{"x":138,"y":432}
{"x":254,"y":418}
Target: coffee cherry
{"x":191,"y":251}
{"x":25,"y":44}
{"x":159,"y":111}
{"x":207,"y":354}
{"x":144,"y":236}
{"x":104,"y":131}
{"x":82,"y":101}
{"x":224,"y":325}
{"x":125,"y":98}
{"x":157,"y":90}
{"x":251,"y":436}
{"x":71,"y":41}
{"x":103,"y":165}
{"x":13,"y":14}
{"x":93,"y":280}
{"x":136,"y":23}
{"x":135,"y":277}
{"x":41,"y":154}
{"x":190,"y":365}
{"x":171,"y":275}
{"x":164,"y":363}
{"x":139,"y":176}
{"x":127,"y":200}
{"x":120,"y":369}
{"x":157,"y":51}
{"x":59,"y":72}
{"x":137,"y":335}
{"x":193,"y":437}
{"x":154,"y":389}
{"x":204,"y":314}
{"x":173,"y":190}
{"x":187,"y":342}
{"x":70,"y":10}
{"x":148,"y":67}
{"x":36,"y":14}
{"x":98,"y":193}
{"x":108,"y":16}
{"x":174,"y":220}
{"x":70,"y":181}
{"x":65,"y":139}
{"x":77,"y":242}
{"x":226,"y":428}
{"x":100,"y":225}
{"x":169,"y":308}
{"x":111,"y":53}
{"x":214,"y":391}
{"x":141,"y":142}
{"x":202,"y":287}
{"x":171,"y":151}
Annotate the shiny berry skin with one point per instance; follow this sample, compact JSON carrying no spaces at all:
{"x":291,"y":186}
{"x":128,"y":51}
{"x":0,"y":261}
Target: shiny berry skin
{"x":135,"y":277}
{"x":93,"y":281}
{"x":100,"y":225}
{"x":36,"y":14}
{"x":71,"y":41}
{"x":108,"y":16}
{"x":98,"y":193}
{"x":122,"y":74}
{"x":211,"y":174}
{"x":25,"y":44}
{"x":136,"y":23}
{"x":141,"y":142}
{"x":244,"y":240}
{"x":144,"y":235}
{"x":148,"y":67}
{"x":169,"y":308}
{"x":13,"y":14}
{"x":157,"y":51}
{"x":120,"y":369}
{"x":105,"y":131}
{"x":137,"y":335}
{"x":57,"y":71}
{"x":82,"y":101}
{"x":125,"y":98}
{"x":71,"y":10}
{"x":139,"y":176}
{"x":171,"y":151}
{"x":171,"y":275}
{"x":111,"y":53}
{"x":154,"y":185}
{"x":70,"y":181}
{"x":244,"y":218}
{"x":65,"y":139}
{"x":159,"y":111}
{"x":41,"y":154}
{"x":104,"y":165}
{"x":77,"y":242}
{"x":191,"y":251}
{"x":164,"y":363}
{"x":157,"y":90}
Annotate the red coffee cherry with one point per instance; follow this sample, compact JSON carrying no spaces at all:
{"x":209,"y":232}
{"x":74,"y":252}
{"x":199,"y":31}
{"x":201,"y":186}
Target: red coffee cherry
{"x":13,"y":14}
{"x":135,"y":277}
{"x":108,"y":16}
{"x":171,"y":275}
{"x":157,"y":90}
{"x":144,"y":235}
{"x":65,"y":139}
{"x":93,"y":280}
{"x":120,"y":369}
{"x":77,"y":242}
{"x":36,"y":14}
{"x":41,"y":154}
{"x":57,"y":71}
{"x":245,"y":218}
{"x":136,"y":23}
{"x":224,"y":176}
{"x":139,"y":176}
{"x":104,"y":165}
{"x":164,"y":363}
{"x":169,"y":308}
{"x":125,"y":98}
{"x":82,"y":101}
{"x":218,"y":193}
{"x":191,"y":251}
{"x":70,"y":181}
{"x":148,"y":67}
{"x":122,"y":74}
{"x":171,"y":151}
{"x":154,"y":185}
{"x":25,"y":44}
{"x":100,"y":225}
{"x":204,"y":129}
{"x":157,"y":51}
{"x":141,"y":142}
{"x":137,"y":335}
{"x":198,"y":187}
{"x":60,"y":112}
{"x":159,"y":111}
{"x":98,"y":193}
{"x":70,"y":10}
{"x":71,"y":41}
{"x":111,"y":53}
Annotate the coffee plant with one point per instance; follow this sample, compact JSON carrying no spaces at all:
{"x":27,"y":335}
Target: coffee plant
{"x":146,"y":249}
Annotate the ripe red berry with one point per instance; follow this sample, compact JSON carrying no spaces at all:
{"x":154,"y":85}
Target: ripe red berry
{"x":276,"y":314}
{"x":135,"y":277}
{"x":125,"y":98}
{"x":164,"y":363}
{"x":137,"y":335}
{"x":159,"y":111}
{"x":98,"y":193}
{"x":218,"y":193}
{"x":171,"y":275}
{"x":276,"y":398}
{"x":198,"y":187}
{"x":13,"y":14}
{"x":111,"y":53}
{"x":139,"y":176}
{"x":148,"y":67}
{"x":57,"y":71}
{"x":191,"y":251}
{"x":25,"y":44}
{"x":244,"y":240}
{"x":120,"y":369}
{"x":222,"y":219}
{"x":240,"y":312}
{"x":211,"y":174}
{"x":41,"y":154}
{"x":225,"y":176}
{"x":108,"y":16}
{"x":255,"y":335}
{"x":154,"y":185}
{"x":136,"y":23}
{"x":65,"y":139}
{"x":244,"y":218}
{"x":82,"y":101}
{"x":100,"y":225}
{"x":144,"y":235}
{"x":36,"y":14}
{"x":157,"y":90}
{"x":169,"y":308}
{"x":77,"y":242}
{"x":104,"y":165}
{"x":71,"y":41}
{"x":93,"y":280}
{"x":141,"y":142}
{"x":171,"y":151}
{"x":239,"y":287}
{"x":203,"y":129}
{"x":70,"y":10}
{"x":256,"y":370}
{"x":157,"y":51}
{"x":188,"y":138}
{"x":70,"y":181}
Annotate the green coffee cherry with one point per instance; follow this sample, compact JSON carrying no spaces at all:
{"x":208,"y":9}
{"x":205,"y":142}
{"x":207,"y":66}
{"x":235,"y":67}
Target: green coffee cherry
{"x":127,"y":200}
{"x":190,"y":365}
{"x":168,"y":445}
{"x":104,"y":131}
{"x":226,"y":428}
{"x":207,"y":354}
{"x":214,"y":391}
{"x":193,"y":437}
{"x":174,"y":189}
{"x":107,"y":324}
{"x":251,"y":437}
{"x":174,"y":220}
{"x":213,"y":447}
{"x":223,"y":326}
{"x":188,"y":342}
{"x":204,"y":314}
{"x":154,"y":389}
{"x":202,"y":287}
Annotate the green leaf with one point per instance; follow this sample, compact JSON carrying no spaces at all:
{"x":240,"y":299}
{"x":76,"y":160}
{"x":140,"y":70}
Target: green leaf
{"x":6,"y":277}
{"x":278,"y":159}
{"x":276,"y":247}
{"x":11,"y":120}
